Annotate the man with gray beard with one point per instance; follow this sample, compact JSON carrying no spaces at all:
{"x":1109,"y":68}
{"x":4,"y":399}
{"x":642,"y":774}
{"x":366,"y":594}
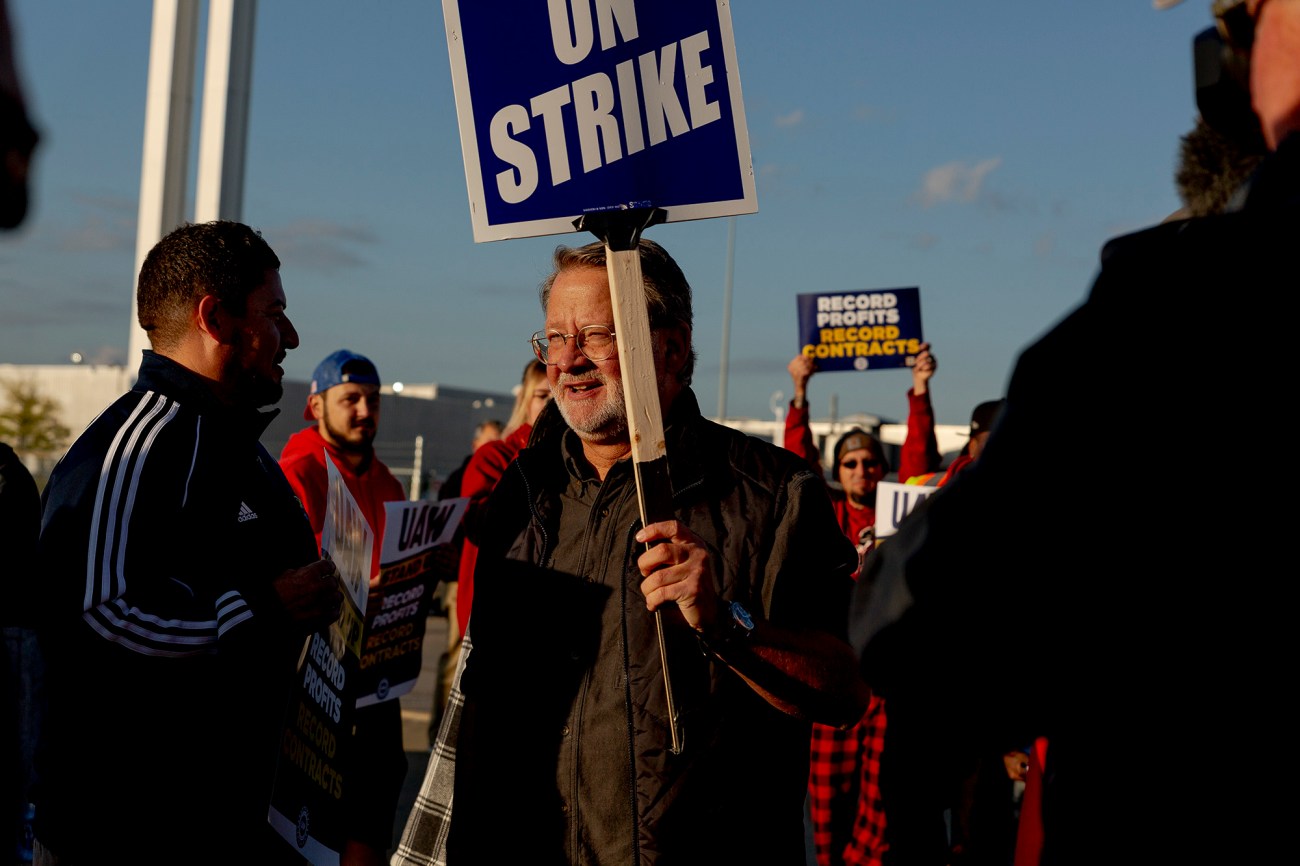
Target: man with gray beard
{"x":564,"y":698}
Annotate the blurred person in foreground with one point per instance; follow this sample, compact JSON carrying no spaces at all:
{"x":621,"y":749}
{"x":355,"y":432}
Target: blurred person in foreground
{"x":179,"y":579}
{"x":344,"y":404}
{"x":1149,"y":627}
{"x":563,"y":689}
{"x":20,"y":661}
{"x":21,"y":666}
{"x":18,"y":138}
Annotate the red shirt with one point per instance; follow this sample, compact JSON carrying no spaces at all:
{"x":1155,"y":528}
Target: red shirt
{"x":303,"y":463}
{"x":848,"y":816}
{"x":485,"y":469}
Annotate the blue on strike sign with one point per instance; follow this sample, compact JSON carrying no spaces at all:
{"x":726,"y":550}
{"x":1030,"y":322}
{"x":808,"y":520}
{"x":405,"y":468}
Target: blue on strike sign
{"x":569,"y":107}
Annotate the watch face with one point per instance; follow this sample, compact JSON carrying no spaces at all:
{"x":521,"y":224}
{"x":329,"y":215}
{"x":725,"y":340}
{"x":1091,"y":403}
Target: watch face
{"x":742,"y":617}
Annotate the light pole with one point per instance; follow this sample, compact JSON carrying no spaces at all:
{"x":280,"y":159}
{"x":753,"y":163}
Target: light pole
{"x":778,"y":409}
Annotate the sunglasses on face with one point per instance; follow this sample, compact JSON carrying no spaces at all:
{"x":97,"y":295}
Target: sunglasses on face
{"x":853,"y":464}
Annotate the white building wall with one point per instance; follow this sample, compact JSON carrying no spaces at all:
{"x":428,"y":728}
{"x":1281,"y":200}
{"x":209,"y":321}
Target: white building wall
{"x":84,"y":390}
{"x":81,"y":390}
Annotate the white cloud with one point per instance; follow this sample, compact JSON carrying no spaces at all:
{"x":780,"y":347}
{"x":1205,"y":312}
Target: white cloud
{"x":794,"y":118}
{"x":955,"y":181}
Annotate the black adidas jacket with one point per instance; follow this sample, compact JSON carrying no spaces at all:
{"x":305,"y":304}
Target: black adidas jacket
{"x":170,"y":658}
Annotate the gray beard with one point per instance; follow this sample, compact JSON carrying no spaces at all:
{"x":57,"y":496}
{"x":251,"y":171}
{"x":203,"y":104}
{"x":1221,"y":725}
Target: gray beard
{"x":609,"y":422}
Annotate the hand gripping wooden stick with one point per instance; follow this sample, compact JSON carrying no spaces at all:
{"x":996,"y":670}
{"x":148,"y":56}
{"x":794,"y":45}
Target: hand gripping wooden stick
{"x":621,"y":232}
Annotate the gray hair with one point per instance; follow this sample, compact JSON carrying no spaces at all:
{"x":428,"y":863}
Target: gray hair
{"x":667,"y":293}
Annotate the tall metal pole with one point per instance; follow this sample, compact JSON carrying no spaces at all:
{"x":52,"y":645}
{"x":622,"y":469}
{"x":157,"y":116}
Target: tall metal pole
{"x":168,"y":103}
{"x":726,"y":319}
{"x":223,"y":135}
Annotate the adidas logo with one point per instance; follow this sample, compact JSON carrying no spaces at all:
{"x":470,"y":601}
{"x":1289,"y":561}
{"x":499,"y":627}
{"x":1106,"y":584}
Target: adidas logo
{"x":246,"y":513}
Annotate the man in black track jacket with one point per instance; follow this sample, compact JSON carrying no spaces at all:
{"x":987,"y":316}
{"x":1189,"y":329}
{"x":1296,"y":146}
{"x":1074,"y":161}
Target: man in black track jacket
{"x":179,"y":578}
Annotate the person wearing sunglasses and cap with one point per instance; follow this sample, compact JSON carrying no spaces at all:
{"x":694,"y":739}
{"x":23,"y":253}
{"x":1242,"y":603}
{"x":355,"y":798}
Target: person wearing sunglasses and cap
{"x":858,"y":458}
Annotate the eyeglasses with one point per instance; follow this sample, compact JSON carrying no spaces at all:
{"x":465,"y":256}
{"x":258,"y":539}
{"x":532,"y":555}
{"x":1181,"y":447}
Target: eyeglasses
{"x":866,"y":464}
{"x":595,"y":342}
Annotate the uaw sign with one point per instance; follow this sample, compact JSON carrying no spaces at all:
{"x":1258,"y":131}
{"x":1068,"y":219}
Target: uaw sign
{"x":573,"y":107}
{"x":398,"y":607}
{"x":894,"y":502}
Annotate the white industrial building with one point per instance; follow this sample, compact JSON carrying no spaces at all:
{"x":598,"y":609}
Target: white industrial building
{"x":426,"y":428}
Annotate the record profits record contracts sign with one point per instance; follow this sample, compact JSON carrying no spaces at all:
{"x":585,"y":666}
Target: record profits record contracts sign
{"x":571,"y":107}
{"x":867,"y":329}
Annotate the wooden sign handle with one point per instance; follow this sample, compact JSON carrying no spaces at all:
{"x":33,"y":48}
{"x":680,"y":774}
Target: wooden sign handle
{"x":621,"y":232}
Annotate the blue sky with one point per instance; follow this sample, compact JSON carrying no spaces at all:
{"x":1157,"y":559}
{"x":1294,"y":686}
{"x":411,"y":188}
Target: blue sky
{"x":980,"y":151}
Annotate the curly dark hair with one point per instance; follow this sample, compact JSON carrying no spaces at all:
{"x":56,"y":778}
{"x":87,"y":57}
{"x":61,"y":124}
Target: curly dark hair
{"x":227,"y":260}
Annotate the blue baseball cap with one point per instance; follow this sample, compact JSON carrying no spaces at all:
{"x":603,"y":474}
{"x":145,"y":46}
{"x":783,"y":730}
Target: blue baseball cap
{"x":330,"y":372}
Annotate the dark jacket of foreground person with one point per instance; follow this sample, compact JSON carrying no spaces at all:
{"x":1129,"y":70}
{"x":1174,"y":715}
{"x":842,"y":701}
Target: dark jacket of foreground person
{"x":1138,"y":620}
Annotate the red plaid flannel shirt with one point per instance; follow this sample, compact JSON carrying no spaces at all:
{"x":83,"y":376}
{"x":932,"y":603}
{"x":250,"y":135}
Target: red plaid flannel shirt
{"x":848,"y":815}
